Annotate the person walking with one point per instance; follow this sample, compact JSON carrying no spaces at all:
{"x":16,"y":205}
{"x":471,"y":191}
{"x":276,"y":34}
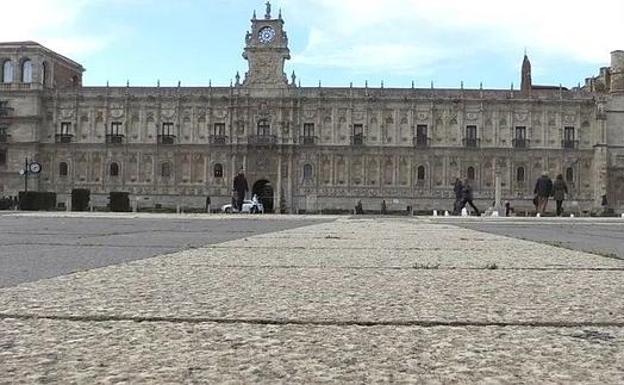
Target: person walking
{"x":458,"y":189}
{"x":467,"y":197}
{"x":543,"y":190}
{"x":240,"y":188}
{"x":560,"y":189}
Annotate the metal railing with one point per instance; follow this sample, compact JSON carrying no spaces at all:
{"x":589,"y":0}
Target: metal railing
{"x":421,"y":141}
{"x":63,"y":138}
{"x":262,"y":140}
{"x":358,"y":140}
{"x":166,"y":139}
{"x":308,"y":140}
{"x":520,"y":143}
{"x":114,"y":139}
{"x":472,"y":142}
{"x":569,"y":144}
{"x":217,"y":139}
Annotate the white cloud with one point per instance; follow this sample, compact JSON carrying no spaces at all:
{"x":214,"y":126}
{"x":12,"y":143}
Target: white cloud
{"x":51,"y":23}
{"x":405,"y":35}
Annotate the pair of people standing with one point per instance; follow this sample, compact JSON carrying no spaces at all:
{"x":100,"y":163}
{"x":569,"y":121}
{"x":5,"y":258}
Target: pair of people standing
{"x":545,"y":188}
{"x":239,"y":190}
{"x":463,"y":196}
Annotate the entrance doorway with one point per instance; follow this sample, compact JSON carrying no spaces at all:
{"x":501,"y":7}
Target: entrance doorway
{"x":264,"y":191}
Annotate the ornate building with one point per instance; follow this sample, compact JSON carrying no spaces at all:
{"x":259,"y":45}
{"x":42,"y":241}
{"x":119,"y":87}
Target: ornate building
{"x":305,"y":149}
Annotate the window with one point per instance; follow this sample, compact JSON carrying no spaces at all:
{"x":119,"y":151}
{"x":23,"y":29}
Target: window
{"x":218,"y":170}
{"x":165,"y":170}
{"x":421,"y":173}
{"x":520,"y":140}
{"x":3,"y":157}
{"x":421,"y":135}
{"x":568,"y":133}
{"x":308,"y":130}
{"x":167,"y":129}
{"x":114,"y":169}
{"x":470,"y":173}
{"x":65,"y":128}
{"x":358,"y":134}
{"x":63,"y":169}
{"x":520,"y":175}
{"x":264,"y":128}
{"x":471,"y":137}
{"x":44,"y":73}
{"x":27,"y":71}
{"x":307,"y":172}
{"x":116,"y":129}
{"x":7,"y":72}
{"x":219,"y":129}
{"x":570,"y":175}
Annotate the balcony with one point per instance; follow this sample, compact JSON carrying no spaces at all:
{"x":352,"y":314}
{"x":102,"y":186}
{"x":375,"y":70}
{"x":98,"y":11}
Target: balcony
{"x":358,"y":140}
{"x":63,"y":138}
{"x":114,"y":139}
{"x":166,"y":139}
{"x":472,"y":142}
{"x":262,"y":140}
{"x":570,"y":144}
{"x":219,"y":140}
{"x":421,"y":142}
{"x":308,"y":140}
{"x":520,"y":143}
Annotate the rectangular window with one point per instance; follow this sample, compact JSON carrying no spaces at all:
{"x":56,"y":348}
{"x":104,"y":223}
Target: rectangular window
{"x":219,"y":129}
{"x":358,"y":130}
{"x":421,"y":131}
{"x":65,"y":128}
{"x":167,"y":129}
{"x":471,"y":132}
{"x":3,"y":157}
{"x":568,"y":134}
{"x":520,"y":133}
{"x":308,"y":130}
{"x":116,"y":129}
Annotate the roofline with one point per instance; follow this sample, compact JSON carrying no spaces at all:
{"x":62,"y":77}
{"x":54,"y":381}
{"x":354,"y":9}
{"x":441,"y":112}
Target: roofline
{"x":34,"y":44}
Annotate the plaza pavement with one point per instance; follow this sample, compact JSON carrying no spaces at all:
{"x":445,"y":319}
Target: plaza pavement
{"x":351,"y":300}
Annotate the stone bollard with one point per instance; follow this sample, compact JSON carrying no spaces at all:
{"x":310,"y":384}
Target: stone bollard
{"x":435,"y":213}
{"x":571,"y":215}
{"x":464,"y":212}
{"x":539,"y":215}
{"x":177,"y":209}
{"x":447,"y":214}
{"x":495,"y":214}
{"x":622,"y":215}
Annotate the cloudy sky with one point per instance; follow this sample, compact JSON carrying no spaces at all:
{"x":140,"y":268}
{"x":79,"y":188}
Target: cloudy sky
{"x":335,"y":41}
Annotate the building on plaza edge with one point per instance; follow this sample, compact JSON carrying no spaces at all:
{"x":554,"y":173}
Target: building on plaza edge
{"x":305,"y":149}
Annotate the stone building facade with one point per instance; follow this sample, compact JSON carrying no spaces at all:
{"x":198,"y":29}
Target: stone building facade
{"x":305,"y":148}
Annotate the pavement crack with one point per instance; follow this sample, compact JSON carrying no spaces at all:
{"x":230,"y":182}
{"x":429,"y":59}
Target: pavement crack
{"x":312,"y":322}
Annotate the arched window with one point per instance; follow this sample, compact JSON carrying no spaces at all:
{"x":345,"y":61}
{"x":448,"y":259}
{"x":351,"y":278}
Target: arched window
{"x":307,"y":172}
{"x":264,"y":128}
{"x":570,"y":175}
{"x":63,"y":169}
{"x":218,"y":170}
{"x":165,"y":170}
{"x":421,"y":173}
{"x":114,"y":169}
{"x":470,"y":174}
{"x":520,"y":175}
{"x":7,"y":72}
{"x":27,"y":71}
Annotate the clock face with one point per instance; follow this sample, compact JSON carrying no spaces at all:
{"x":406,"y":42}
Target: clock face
{"x":35,"y":168}
{"x":266,"y":35}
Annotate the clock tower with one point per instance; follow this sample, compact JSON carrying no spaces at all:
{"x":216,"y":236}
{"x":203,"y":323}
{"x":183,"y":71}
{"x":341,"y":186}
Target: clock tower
{"x":266,"y":50}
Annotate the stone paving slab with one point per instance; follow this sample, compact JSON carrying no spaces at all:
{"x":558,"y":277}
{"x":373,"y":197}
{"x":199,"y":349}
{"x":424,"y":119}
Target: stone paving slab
{"x":166,"y":288}
{"x":47,"y":351}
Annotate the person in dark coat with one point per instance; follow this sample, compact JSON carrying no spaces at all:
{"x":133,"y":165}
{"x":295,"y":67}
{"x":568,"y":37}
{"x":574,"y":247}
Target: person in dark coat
{"x":560,"y":189}
{"x":467,"y":197}
{"x":458,"y":189}
{"x":240,"y":188}
{"x":543,"y":190}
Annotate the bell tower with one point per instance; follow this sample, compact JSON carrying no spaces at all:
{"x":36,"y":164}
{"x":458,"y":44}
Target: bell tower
{"x":266,"y":51}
